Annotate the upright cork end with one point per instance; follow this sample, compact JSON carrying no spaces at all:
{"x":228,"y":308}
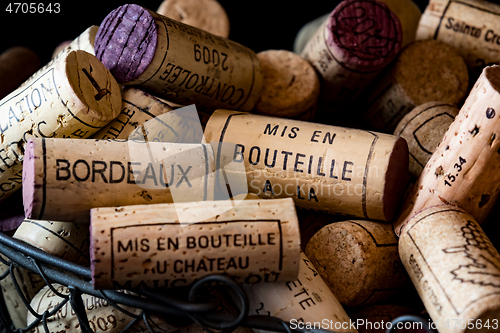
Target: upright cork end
{"x":366,"y":34}
{"x":126,"y":41}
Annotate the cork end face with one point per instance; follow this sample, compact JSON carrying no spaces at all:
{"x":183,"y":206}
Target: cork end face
{"x":126,"y":41}
{"x":29,"y":181}
{"x":396,"y":181}
{"x":492,"y":74}
{"x":363,"y":35}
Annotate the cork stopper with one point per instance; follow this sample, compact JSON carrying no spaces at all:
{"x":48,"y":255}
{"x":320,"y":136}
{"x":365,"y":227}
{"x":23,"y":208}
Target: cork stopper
{"x":207,"y":15}
{"x":126,"y":41}
{"x":290,"y":85}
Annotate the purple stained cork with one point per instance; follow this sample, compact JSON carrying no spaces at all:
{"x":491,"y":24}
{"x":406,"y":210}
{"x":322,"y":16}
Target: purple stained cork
{"x":126,"y":41}
{"x":364,"y":35}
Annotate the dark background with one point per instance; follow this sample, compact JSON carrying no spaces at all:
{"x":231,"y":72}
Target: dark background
{"x":258,"y":24}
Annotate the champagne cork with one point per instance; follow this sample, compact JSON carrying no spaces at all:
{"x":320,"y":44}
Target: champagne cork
{"x":454,"y":268}
{"x":355,"y":43}
{"x":151,"y":246}
{"x":16,"y":65}
{"x":84,"y":42}
{"x":64,"y":179}
{"x":359,"y":261}
{"x":423,"y":129}
{"x":323,"y":168}
{"x":302,"y":302}
{"x":376,"y":318}
{"x":178,"y":62}
{"x":463,"y":169}
{"x":207,"y":15}
{"x":471,"y":26}
{"x":426,"y":71}
{"x":290,"y":86}
{"x":72,"y":97}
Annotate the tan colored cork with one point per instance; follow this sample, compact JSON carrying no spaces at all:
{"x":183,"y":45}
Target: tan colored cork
{"x":454,"y":268}
{"x":302,"y":301}
{"x":154,"y":245}
{"x":423,"y":129}
{"x":425,"y":71}
{"x":471,"y":26}
{"x":359,"y":261}
{"x":323,"y":168}
{"x":64,"y":179}
{"x":463,"y":169}
{"x":84,"y":42}
{"x":16,"y":65}
{"x":71,"y":97}
{"x":290,"y":86}
{"x":208,"y":15}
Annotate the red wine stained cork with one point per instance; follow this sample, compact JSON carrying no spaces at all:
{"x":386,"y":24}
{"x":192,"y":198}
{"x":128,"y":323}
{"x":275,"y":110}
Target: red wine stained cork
{"x":454,"y":268}
{"x":425,"y":71}
{"x":423,"y":129}
{"x":290,"y":86}
{"x":302,"y":301}
{"x":155,"y":246}
{"x":463,"y":169}
{"x":377,"y":318}
{"x":471,"y":26}
{"x":207,"y":15}
{"x":71,"y":97}
{"x":359,"y":38}
{"x":359,"y":261}
{"x":16,"y":65}
{"x":84,"y":42}
{"x":323,"y":168}
{"x":64,"y":179}
{"x":178,"y":62}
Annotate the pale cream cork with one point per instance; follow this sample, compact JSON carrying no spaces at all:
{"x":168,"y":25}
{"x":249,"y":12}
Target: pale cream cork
{"x":84,"y":42}
{"x":463,"y":169}
{"x":423,"y":129}
{"x":16,"y":65}
{"x":154,"y":245}
{"x":290,"y":86}
{"x":323,"y":168}
{"x":64,"y":179}
{"x":425,"y":71}
{"x":471,"y":26}
{"x":454,"y":268}
{"x":208,"y":15}
{"x":359,"y":261}
{"x":305,"y":300}
{"x":71,"y":97}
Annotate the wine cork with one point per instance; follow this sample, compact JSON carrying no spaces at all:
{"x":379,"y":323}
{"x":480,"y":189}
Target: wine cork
{"x":290,"y":86}
{"x":64,"y":179}
{"x":72,"y":97}
{"x":151,"y":245}
{"x":359,"y":261}
{"x":302,"y":302}
{"x":425,"y":71}
{"x":16,"y":65}
{"x":423,"y":129}
{"x":376,"y":318}
{"x":312,"y":222}
{"x":207,"y":15}
{"x":178,"y":62}
{"x":462,"y":171}
{"x":471,"y":26}
{"x":348,"y":53}
{"x":454,"y":268}
{"x":324,"y":168}
{"x":84,"y":42}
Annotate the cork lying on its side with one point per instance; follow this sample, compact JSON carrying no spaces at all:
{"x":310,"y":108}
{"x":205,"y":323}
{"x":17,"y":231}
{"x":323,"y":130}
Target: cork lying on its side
{"x":84,"y":42}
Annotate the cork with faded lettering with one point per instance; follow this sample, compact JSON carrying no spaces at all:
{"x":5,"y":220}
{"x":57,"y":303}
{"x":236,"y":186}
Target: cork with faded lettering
{"x":172,"y":245}
{"x":207,"y":15}
{"x":178,"y":62}
{"x":324,"y":168}
{"x":471,"y":26}
{"x":302,"y":301}
{"x":85,"y":42}
{"x":463,"y":169}
{"x":454,"y":267}
{"x":64,"y":178}
{"x":71,"y":97}
{"x":423,"y":129}
{"x":425,"y":71}
{"x":359,"y":261}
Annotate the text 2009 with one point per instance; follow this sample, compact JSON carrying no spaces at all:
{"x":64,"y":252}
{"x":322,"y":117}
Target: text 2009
{"x":33,"y":8}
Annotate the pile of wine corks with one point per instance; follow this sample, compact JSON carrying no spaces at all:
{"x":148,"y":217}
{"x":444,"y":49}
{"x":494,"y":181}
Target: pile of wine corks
{"x":342,"y":186}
